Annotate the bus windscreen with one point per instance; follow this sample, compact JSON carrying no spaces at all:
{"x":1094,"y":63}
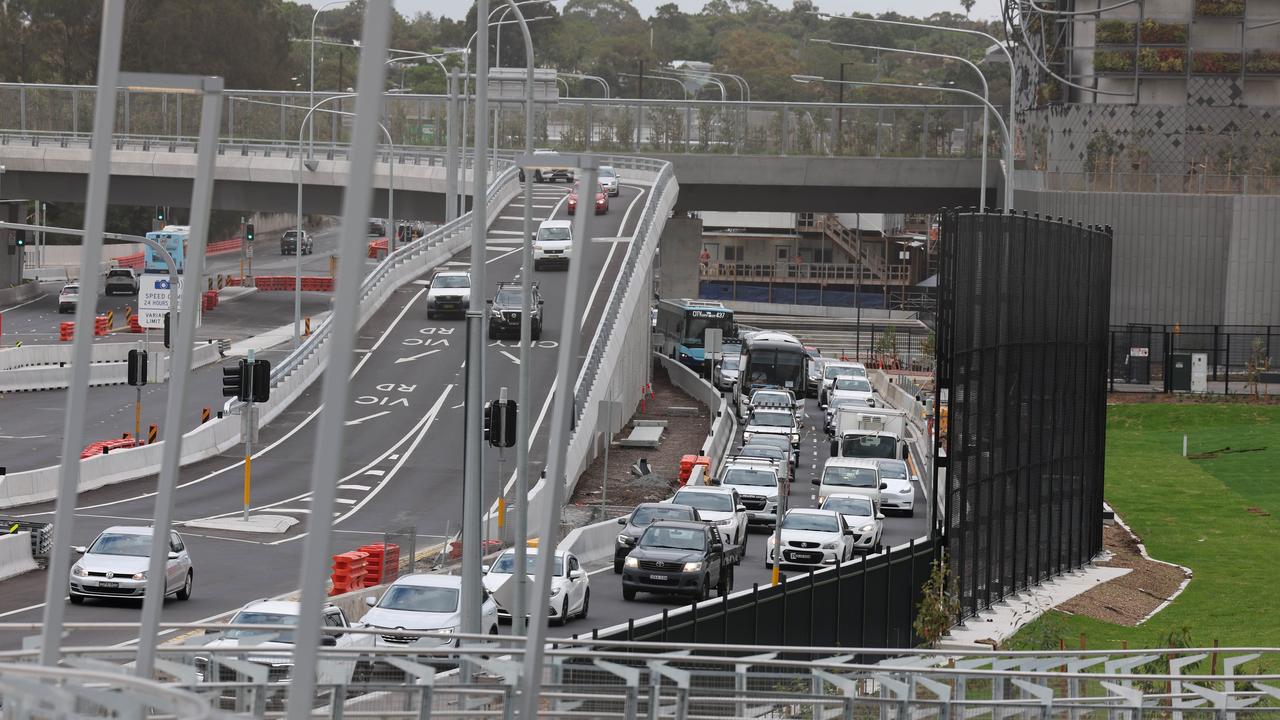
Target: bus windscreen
{"x":776,"y":367}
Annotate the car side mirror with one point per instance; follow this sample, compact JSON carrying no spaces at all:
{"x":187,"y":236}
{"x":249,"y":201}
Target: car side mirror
{"x":835,"y":448}
{"x":717,"y":547}
{"x":741,"y":508}
{"x":577,"y":575}
{"x":489,"y":301}
{"x":80,"y":549}
{"x":884,"y":486}
{"x":485,"y":568}
{"x":848,"y":532}
{"x":817,"y":481}
{"x":622,"y":521}
{"x":173,"y":555}
{"x":879,"y":516}
{"x":328,"y":641}
{"x":370,"y":600}
{"x":542,"y":302}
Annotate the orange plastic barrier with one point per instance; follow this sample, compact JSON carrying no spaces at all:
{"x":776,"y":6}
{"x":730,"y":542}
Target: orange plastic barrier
{"x":348,"y":572}
{"x":66,"y":330}
{"x":688,"y":462}
{"x":101,"y":325}
{"x":131,"y":261}
{"x":135,"y":325}
{"x":105,"y":446}
{"x":378,"y":247}
{"x":382,"y":564}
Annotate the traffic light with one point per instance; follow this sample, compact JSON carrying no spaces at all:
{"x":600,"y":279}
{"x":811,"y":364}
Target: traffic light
{"x":248,"y":232}
{"x":20,"y":238}
{"x":500,"y":423}
{"x":166,"y":330}
{"x":261,"y":381}
{"x":235,"y":380}
{"x":137,"y":367}
{"x":159,"y":213}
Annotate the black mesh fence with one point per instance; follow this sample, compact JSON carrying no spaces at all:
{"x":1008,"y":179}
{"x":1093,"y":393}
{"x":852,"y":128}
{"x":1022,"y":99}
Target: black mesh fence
{"x":1226,"y":359}
{"x":868,"y":602}
{"x":1021,"y":380}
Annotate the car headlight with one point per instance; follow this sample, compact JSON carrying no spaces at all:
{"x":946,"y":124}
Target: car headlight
{"x":632,"y":562}
{"x":79,"y":571}
{"x":139,"y":576}
{"x":538,"y":247}
{"x":625,"y":539}
{"x":726,"y":521}
{"x":446,"y":630}
{"x":905,"y":491}
{"x":831,"y":545}
{"x":684,"y":355}
{"x":695,"y":566}
{"x":868,"y":528}
{"x":555,"y":591}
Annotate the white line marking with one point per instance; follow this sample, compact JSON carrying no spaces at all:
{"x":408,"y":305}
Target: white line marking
{"x":506,"y":232}
{"x":510,"y":357}
{"x":360,"y":488}
{"x":376,"y":415}
{"x":415,"y":357}
{"x":345,"y":501}
{"x":41,"y":296}
{"x":21,"y":610}
{"x":376,"y":473}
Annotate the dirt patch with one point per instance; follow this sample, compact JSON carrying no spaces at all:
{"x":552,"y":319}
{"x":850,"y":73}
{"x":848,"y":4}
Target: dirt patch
{"x":1133,"y":596}
{"x":683,"y":435}
{"x":1145,"y":398}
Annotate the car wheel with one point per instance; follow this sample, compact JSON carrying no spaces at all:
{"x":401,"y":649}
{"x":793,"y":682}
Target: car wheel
{"x":768,"y":564}
{"x":537,"y":176}
{"x":493,"y":335}
{"x":911,"y":512}
{"x":617,"y":567}
{"x":185,"y":592}
{"x":431,"y":314}
{"x":726,"y":583}
{"x":586,"y":605}
{"x":704,"y":592}
{"x":521,"y":176}
{"x":76,"y":599}
{"x":536,"y":332}
{"x":628,"y":594}
{"x":564,"y":611}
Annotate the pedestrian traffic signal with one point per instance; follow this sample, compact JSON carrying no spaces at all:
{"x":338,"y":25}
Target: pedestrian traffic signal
{"x":235,"y":380}
{"x":248,"y":232}
{"x":137,"y":368}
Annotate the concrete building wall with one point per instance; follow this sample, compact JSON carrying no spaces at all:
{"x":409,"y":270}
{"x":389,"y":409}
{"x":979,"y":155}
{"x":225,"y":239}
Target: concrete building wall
{"x":1188,"y":259}
{"x":678,"y":251}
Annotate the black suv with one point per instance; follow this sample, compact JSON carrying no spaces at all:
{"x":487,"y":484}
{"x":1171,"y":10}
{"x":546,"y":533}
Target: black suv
{"x":289,"y":243}
{"x":504,"y":311}
{"x":634,"y":524}
{"x":675,"y":557}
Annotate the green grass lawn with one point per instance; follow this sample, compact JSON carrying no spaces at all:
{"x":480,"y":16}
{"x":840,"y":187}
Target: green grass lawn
{"x":1195,"y":513}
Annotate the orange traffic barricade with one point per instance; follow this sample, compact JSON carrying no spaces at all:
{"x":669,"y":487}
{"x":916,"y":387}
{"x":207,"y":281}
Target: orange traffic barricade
{"x":348,"y":572}
{"x":66,"y":330}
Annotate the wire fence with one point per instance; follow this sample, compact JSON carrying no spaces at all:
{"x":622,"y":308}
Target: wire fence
{"x":1022,"y":348}
{"x":1226,"y":359}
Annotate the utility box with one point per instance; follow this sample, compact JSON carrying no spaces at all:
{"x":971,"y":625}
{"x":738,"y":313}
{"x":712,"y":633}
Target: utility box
{"x":1179,"y":371}
{"x":1139,"y":365}
{"x":1199,"y":372}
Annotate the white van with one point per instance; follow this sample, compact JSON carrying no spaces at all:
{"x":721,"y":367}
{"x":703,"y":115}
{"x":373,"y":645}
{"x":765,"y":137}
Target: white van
{"x":553,"y":243}
{"x":850,"y":476}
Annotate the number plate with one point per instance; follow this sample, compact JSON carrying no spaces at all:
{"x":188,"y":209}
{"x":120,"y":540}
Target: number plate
{"x":659,"y":578}
{"x":108,"y":584}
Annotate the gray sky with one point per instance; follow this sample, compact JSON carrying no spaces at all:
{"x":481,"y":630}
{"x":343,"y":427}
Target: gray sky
{"x":984,"y":9}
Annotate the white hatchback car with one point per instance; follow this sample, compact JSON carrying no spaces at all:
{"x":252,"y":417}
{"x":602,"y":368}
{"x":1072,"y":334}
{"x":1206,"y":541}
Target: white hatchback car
{"x":861,"y":515}
{"x":553,"y":243}
{"x":68,"y":298}
{"x":811,"y":538}
{"x":115,"y":565}
{"x":427,"y":603}
{"x":570,"y":586}
{"x":899,"y":494}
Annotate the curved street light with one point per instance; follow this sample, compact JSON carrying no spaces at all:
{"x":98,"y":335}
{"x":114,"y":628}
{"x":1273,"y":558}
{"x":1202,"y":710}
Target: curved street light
{"x":986,"y":94}
{"x":694,"y":75}
{"x":604,"y":84}
{"x":311,"y":74}
{"x":1008,"y":143}
{"x":683,"y":89}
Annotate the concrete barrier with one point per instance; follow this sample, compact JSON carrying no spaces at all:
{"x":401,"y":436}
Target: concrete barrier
{"x":46,"y":367}
{"x":15,"y":555}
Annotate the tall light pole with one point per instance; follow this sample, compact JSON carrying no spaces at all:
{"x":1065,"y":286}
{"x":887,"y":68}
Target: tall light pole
{"x":1008,"y":149}
{"x":986,"y":94}
{"x":1013,"y":80}
{"x":311,"y":96}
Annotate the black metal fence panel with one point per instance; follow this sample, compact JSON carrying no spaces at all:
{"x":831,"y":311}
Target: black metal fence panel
{"x":1238,"y":359}
{"x":1022,"y":363}
{"x":868,"y":602}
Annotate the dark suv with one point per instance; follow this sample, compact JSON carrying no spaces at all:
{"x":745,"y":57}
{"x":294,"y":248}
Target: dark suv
{"x":289,"y":243}
{"x":634,"y":524}
{"x":504,"y":311}
{"x":675,"y":557}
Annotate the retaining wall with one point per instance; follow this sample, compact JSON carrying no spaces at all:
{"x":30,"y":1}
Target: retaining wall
{"x":15,"y":554}
{"x":46,"y":367}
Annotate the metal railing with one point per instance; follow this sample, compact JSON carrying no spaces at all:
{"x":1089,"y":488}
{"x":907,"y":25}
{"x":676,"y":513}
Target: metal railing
{"x":628,"y":680}
{"x":570,"y":124}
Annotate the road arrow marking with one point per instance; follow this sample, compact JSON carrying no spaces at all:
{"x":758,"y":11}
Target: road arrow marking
{"x":415,"y":357}
{"x":370,"y":417}
{"x":510,"y":357}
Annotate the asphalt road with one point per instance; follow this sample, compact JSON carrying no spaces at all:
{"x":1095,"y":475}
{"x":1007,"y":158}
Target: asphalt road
{"x":404,"y":443}
{"x":609,"y":609}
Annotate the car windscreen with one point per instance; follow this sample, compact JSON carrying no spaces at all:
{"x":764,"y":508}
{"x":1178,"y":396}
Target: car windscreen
{"x":852,"y":383}
{"x":869,"y":446}
{"x":893,"y":470}
{"x":765,"y":397}
{"x":645,"y":515}
{"x":506,"y":564}
{"x":606,"y":172}
{"x":714,"y":502}
{"x":120,"y":273}
{"x":772,"y":419}
{"x":730,"y":363}
{"x":849,"y":506}
{"x":420,"y":599}
{"x":262,"y":618}
{"x":815,"y":523}
{"x":508,"y":296}
{"x":775,"y":441}
{"x":746,"y":476}
{"x":849,"y":477}
{"x":450,"y":281}
{"x":831,"y":371}
{"x":674,"y":537}
{"x":554,"y":233}
{"x":122,"y":544}
{"x":767,"y":452}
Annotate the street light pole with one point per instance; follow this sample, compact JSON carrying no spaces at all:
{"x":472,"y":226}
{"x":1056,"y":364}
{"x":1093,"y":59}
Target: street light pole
{"x":311,"y":96}
{"x":986,"y":94}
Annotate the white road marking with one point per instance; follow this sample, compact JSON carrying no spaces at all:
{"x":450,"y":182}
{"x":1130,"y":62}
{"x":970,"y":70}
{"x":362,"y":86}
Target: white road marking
{"x":345,"y":501}
{"x":506,"y":232}
{"x":416,"y":357}
{"x":510,"y":357}
{"x":357,"y":421}
{"x":360,"y":488}
{"x":376,"y":473}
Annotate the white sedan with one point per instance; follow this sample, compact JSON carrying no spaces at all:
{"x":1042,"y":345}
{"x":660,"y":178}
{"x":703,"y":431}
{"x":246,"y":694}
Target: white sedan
{"x":859,"y":514}
{"x":424,"y":602}
{"x":811,"y":538}
{"x":570,"y":585}
{"x":718,"y":506}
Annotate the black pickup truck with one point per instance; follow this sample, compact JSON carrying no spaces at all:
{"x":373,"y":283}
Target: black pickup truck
{"x":679,"y":557}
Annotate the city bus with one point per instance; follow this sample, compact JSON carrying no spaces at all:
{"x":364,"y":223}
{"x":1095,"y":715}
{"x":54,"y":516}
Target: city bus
{"x":682,"y":324}
{"x":770,"y":359}
{"x":174,"y":239}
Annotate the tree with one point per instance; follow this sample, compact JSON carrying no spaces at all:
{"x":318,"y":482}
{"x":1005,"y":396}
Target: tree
{"x":939,"y":606}
{"x":968,"y":5}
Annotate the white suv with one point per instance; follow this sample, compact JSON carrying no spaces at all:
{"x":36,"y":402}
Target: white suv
{"x":553,"y":244}
{"x":427,"y":603}
{"x":758,"y":488}
{"x":719,"y":506}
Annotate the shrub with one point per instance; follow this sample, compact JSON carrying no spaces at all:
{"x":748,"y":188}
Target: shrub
{"x":1162,"y":60}
{"x":1263,"y":61}
{"x":1115,"y":32}
{"x":1156,"y":32}
{"x":1216,"y":63}
{"x":1220,"y":8}
{"x":1113,"y":60}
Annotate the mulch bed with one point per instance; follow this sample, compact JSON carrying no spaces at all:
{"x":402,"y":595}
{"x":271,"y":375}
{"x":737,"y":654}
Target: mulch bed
{"x":1129,"y":599}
